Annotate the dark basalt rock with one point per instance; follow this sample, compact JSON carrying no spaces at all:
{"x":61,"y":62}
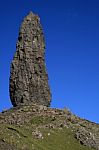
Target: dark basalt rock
{"x":28,"y":77}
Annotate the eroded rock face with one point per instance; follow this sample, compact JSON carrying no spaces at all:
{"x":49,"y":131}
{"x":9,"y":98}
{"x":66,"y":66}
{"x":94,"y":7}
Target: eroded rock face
{"x":28,"y":77}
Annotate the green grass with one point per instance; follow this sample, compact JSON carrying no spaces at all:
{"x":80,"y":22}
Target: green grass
{"x":59,"y":140}
{"x":40,"y":120}
{"x":22,"y":138}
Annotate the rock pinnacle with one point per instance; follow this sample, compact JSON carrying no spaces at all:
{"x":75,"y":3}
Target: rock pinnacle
{"x":28,"y":75}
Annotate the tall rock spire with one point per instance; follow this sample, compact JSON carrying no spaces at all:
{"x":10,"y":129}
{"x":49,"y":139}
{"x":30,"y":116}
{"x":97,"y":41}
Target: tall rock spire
{"x":28,"y":76}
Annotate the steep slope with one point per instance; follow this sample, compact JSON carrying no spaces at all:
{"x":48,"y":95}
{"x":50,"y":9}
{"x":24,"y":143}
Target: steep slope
{"x":36,"y":127}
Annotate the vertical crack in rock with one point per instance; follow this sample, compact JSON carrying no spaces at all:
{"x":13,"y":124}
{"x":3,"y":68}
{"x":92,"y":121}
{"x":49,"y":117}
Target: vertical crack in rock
{"x":28,"y":76}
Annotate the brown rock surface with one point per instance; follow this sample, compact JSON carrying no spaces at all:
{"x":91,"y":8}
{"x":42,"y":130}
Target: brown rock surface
{"x":29,"y":79}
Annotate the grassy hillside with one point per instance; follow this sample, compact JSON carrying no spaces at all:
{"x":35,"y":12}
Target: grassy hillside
{"x":38,"y":128}
{"x":22,"y":138}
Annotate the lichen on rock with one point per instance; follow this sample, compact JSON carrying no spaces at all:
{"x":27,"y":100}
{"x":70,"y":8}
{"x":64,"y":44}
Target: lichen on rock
{"x":28,"y":76}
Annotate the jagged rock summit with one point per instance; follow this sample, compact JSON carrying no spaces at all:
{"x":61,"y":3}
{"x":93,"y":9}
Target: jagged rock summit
{"x":28,"y":77}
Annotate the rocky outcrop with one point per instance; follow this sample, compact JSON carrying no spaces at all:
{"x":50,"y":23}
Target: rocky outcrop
{"x":29,"y":79}
{"x":87,"y":138}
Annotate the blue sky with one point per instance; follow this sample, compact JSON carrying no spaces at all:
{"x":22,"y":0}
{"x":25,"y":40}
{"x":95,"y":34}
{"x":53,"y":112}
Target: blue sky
{"x":72,"y":51}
